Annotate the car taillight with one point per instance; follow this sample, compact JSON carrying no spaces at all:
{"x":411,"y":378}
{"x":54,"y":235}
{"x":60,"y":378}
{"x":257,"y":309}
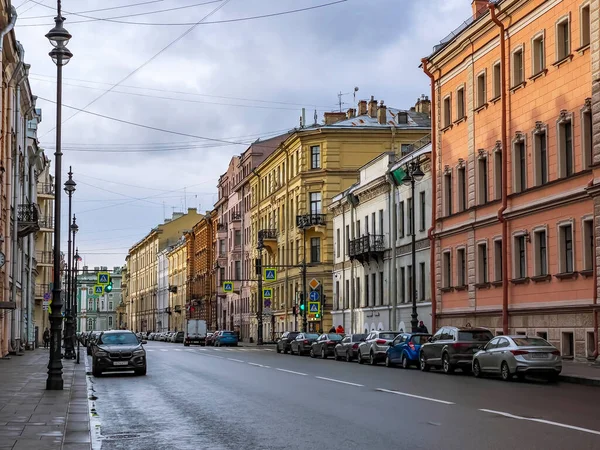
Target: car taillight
{"x":355,"y":346}
{"x":459,"y":345}
{"x":380,"y":341}
{"x":411,"y":345}
{"x":305,"y":341}
{"x":519,"y":352}
{"x":556,"y":352}
{"x":330,"y":342}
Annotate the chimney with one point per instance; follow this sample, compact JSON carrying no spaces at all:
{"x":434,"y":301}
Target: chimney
{"x":362,"y":107}
{"x":423,"y":105}
{"x":479,"y":8}
{"x":373,"y":108}
{"x":382,"y":114}
{"x":351,"y":114}
{"x":334,"y":117}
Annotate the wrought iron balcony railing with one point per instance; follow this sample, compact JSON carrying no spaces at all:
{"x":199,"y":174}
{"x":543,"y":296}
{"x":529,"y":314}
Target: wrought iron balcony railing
{"x":44,"y":257}
{"x":264,"y":235}
{"x":45,"y":189}
{"x":28,"y":219}
{"x":46,"y":222}
{"x":310,"y":220}
{"x":236,"y":217}
{"x":372,"y":243}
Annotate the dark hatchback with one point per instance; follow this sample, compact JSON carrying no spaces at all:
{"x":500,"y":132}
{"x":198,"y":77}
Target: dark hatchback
{"x":302,"y":343}
{"x":284,"y":343}
{"x":116,"y":351}
{"x":348,"y":348}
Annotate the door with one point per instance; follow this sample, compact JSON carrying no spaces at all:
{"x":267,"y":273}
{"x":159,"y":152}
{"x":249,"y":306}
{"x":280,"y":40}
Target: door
{"x":395,"y":351}
{"x":486,"y":357}
{"x":435,"y":350}
{"x":346,"y":343}
{"x":498,"y":354}
{"x":363,"y":347}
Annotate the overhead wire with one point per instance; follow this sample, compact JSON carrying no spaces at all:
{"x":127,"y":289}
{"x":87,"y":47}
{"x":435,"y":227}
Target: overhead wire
{"x":89,"y":10}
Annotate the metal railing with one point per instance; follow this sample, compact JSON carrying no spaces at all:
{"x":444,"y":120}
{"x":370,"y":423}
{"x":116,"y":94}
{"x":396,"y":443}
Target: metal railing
{"x":236,"y":217}
{"x":366,"y":244}
{"x":44,"y":257}
{"x":27,"y":213}
{"x":310,"y":220}
{"x":408,"y":149}
{"x":45,"y":188}
{"x":46,"y":222}
{"x":267,"y":234}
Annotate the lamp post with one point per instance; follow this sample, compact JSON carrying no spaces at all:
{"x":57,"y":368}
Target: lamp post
{"x":76,"y":258}
{"x":68,"y":336}
{"x":413,"y":175}
{"x":60,"y":54}
{"x":74,"y":228}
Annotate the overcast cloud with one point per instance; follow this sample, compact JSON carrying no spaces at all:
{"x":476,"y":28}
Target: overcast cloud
{"x":301,"y":59}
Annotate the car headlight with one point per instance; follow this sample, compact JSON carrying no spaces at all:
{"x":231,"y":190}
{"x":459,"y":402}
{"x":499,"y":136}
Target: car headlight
{"x":101,"y":354}
{"x":139,"y":352}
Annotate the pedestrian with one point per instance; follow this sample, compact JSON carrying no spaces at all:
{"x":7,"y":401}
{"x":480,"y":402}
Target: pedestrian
{"x":422,"y":328}
{"x":332,"y":330}
{"x":46,"y":338}
{"x":340,"y":329}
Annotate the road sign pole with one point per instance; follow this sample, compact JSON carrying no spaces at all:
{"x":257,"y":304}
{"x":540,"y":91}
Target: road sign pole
{"x":305,"y":312}
{"x":259,"y":340}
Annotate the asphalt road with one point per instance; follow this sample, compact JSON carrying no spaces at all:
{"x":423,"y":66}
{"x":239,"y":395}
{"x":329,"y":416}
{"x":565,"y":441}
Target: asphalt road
{"x":250,"y":398}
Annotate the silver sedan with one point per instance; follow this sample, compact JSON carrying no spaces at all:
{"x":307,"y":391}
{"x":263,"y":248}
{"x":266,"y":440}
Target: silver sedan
{"x":518,"y":355}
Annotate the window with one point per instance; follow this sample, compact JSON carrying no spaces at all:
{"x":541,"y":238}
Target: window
{"x":315,"y":250}
{"x":422,"y":281}
{"x":315,"y":203}
{"x":402,"y":285}
{"x":237,"y":238}
{"x":520,"y":166}
{"x":482,"y":263}
{"x":584,"y":25}
{"x":446,"y":270}
{"x":381,"y":288}
{"x":588,"y":244}
{"x":373,"y":229}
{"x":374,"y":288}
{"x":563,"y":39}
{"x":517,"y":67}
{"x":481,"y":90}
{"x":346,"y":297}
{"x":401,"y":219}
{"x":367,"y":293}
{"x":448,"y":193}
{"x":498,"y":174}
{"x":538,"y":62}
{"x":540,"y":158}
{"x":315,"y":157}
{"x":366,"y":225}
{"x":540,"y":249}
{"x":565,"y":234}
{"x":298,"y":251}
{"x":357,"y":228}
{"x":381,"y":222}
{"x":337,"y":242}
{"x":409,"y":283}
{"x":460,"y":103}
{"x":520,"y":257}
{"x":238,"y":270}
{"x":497,"y":80}
{"x":410,"y":216}
{"x":586,"y":137}
{"x":110,"y":321}
{"x":462,"y":188}
{"x":498,"y":260}
{"x":565,"y":148}
{"x":110,"y":306}
{"x":90,"y":305}
{"x":461,"y":267}
{"x":346,"y":238}
{"x":422,"y":216}
{"x":482,"y":181}
{"x":447,"y":112}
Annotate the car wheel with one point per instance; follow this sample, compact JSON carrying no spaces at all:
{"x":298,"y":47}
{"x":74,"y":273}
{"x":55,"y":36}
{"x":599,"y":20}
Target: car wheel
{"x":335,"y":355}
{"x":278,"y":350}
{"x":476,"y":369}
{"x":312,"y":353}
{"x":285,"y":350}
{"x":140,"y":371}
{"x":95,"y":371}
{"x":291,"y":350}
{"x":423,"y":363}
{"x":359,"y":359}
{"x":505,"y":372}
{"x":185,"y":344}
{"x":446,"y":366}
{"x":323,"y":354}
{"x":348,"y":357}
{"x":372,"y":359}
{"x":388,"y":363}
{"x":553,"y":377}
{"x":404,"y":362}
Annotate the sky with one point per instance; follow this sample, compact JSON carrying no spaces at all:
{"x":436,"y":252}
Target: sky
{"x":233,"y":81}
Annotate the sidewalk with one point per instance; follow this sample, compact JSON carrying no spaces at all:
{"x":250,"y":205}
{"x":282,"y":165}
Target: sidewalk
{"x":32,"y":418}
{"x":581,"y":373}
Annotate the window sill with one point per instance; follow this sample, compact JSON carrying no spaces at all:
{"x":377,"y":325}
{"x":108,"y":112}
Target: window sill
{"x":581,"y":50}
{"x":496,"y":283}
{"x":463,"y":287}
{"x":566,"y":275}
{"x":560,"y":62}
{"x":586,"y":273}
{"x":485,"y":285}
{"x":446,"y":128}
{"x":462,"y":119}
{"x":540,"y":278}
{"x":481,"y":108}
{"x":495,"y":99}
{"x":447,"y":289}
{"x":541,"y":73}
{"x":516,"y":87}
{"x":520,"y":280}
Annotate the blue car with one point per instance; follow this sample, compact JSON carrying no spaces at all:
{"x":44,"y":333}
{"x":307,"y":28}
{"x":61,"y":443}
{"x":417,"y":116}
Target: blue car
{"x":226,"y":338}
{"x":404,"y":350}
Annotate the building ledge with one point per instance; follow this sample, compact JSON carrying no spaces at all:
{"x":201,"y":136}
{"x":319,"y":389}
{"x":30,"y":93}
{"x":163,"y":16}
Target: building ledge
{"x":560,"y":62}
{"x":447,"y":289}
{"x":516,"y":87}
{"x":496,"y":99}
{"x":540,"y":278}
{"x":496,"y":283}
{"x":481,"y":107}
{"x":462,"y":287}
{"x":581,"y":50}
{"x":541,"y":73}
{"x":520,"y":280}
{"x":459,"y":120}
{"x":586,"y":273}
{"x":566,"y":275}
{"x":484,"y":285}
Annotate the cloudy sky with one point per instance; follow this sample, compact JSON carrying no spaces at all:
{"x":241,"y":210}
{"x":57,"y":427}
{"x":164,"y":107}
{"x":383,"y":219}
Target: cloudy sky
{"x":235,"y":81}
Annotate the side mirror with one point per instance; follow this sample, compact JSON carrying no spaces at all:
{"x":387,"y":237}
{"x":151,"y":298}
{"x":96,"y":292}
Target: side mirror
{"x":391,"y":344}
{"x":144,"y":342}
{"x":430,"y":339}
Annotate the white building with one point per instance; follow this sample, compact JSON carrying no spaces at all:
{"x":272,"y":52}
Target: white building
{"x":372,"y":279}
{"x":162,"y":295}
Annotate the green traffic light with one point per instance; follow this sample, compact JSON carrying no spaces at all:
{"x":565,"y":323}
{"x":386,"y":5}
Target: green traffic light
{"x":302,"y":307}
{"x":108,"y":287}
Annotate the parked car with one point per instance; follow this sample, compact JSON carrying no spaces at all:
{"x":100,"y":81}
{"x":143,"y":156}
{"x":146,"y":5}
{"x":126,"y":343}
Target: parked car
{"x":226,"y":338}
{"x":210,"y":337}
{"x":375,"y":346}
{"x":284,"y":342}
{"x":91,"y":340}
{"x":325,"y":345}
{"x":453,"y":347}
{"x":518,"y":355}
{"x":404,"y":350}
{"x":118,"y":350}
{"x":302,"y":343}
{"x":348,"y":347}
{"x":178,"y":337}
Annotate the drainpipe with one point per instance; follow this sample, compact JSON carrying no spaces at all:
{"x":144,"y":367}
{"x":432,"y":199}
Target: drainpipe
{"x":431,"y":231}
{"x":393,"y":263}
{"x":344,"y":248}
{"x":352,"y":284}
{"x":501,"y":218}
{"x":595,"y":293}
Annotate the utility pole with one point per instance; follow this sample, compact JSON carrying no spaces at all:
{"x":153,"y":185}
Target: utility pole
{"x":304,"y":311}
{"x":259,"y":314}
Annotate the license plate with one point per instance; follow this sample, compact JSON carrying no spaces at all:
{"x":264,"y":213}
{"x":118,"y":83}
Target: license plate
{"x":539,"y":355}
{"x":120,"y":363}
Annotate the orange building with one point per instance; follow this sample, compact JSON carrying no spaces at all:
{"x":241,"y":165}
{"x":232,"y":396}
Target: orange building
{"x":200,"y":269}
{"x":513,"y":219}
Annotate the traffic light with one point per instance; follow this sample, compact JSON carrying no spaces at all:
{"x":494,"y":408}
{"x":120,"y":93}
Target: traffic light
{"x":318,"y":315}
{"x":108,"y":287}
{"x":302,"y":305}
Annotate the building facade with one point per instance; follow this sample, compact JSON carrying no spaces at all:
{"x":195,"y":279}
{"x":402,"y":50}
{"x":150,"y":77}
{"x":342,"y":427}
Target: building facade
{"x":513,"y":217}
{"x":177,"y":288}
{"x":294,"y":187}
{"x":162,"y":293}
{"x":371,"y":278}
{"x":98,"y":312}
{"x":200,"y":266}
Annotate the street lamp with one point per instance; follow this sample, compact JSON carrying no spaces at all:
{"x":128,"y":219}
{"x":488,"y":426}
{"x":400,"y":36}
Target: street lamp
{"x":68,"y":336}
{"x":60,"y":54}
{"x":413,"y":175}
{"x":74,"y":228}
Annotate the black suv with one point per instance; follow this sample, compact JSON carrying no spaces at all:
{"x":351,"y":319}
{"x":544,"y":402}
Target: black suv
{"x":118,"y":350}
{"x":284,"y":343}
{"x":453,"y":347}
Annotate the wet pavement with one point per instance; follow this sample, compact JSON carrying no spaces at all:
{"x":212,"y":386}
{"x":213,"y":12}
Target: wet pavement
{"x":252,"y":398}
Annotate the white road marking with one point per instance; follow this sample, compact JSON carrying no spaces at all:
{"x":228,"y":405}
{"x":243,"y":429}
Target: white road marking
{"x":217,"y":349}
{"x":415,"y":396}
{"x":291,"y":371}
{"x":259,"y":365}
{"x":236,"y":360}
{"x":149,"y":350}
{"x":339,"y":381}
{"x":547,"y":422}
{"x":268,"y":349}
{"x":164,"y":350}
{"x":178,"y":350}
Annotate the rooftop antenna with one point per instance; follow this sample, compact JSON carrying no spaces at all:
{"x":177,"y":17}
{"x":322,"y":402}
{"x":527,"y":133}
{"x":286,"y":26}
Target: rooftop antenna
{"x":355,"y":91}
{"x":164,"y":211}
{"x":316,"y":117}
{"x":184,"y":199}
{"x":340,"y":94}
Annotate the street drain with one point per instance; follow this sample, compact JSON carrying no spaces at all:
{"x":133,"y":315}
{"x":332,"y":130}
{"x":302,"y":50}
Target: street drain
{"x":120,"y":436}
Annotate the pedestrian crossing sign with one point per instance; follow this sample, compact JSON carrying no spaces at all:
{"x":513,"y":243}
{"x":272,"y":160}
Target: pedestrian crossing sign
{"x":267,"y":293}
{"x":103,"y":278}
{"x":270,"y":274}
{"x":314,"y":307}
{"x":228,"y":286}
{"x":98,"y":289}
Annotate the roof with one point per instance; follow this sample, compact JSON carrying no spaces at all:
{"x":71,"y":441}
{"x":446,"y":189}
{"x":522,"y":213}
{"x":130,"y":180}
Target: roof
{"x":414,"y":120}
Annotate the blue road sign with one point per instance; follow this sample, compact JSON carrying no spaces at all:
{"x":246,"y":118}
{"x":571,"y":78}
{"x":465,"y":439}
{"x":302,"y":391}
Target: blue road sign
{"x":314,"y":307}
{"x":267,"y":293}
{"x":227,"y":286}
{"x":270,"y":274}
{"x":103,"y":278}
{"x":314,"y":296}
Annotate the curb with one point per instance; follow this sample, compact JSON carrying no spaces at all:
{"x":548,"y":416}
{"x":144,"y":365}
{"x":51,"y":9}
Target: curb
{"x":579,"y":380}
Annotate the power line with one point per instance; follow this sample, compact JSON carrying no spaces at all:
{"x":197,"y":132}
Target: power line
{"x":119,"y":193}
{"x":130,"y":185}
{"x":88,"y":11}
{"x":240,"y":19}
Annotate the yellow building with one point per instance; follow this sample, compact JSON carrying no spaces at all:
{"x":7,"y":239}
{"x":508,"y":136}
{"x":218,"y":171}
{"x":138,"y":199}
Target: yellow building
{"x":293,"y":188}
{"x":177,"y":284}
{"x":142,"y":264}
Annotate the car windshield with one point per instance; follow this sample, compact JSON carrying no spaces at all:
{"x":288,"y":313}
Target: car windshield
{"x":311,"y":336}
{"x":389,"y":336}
{"x":334,"y":337}
{"x":226,"y":333}
{"x":475,"y":335}
{"x":118,"y":339}
{"x":531,"y":342}
{"x":358,"y":337}
{"x":418,"y":340}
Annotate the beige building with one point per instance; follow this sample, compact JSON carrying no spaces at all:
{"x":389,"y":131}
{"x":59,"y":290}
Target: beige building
{"x":142,"y":263}
{"x":177,"y":257}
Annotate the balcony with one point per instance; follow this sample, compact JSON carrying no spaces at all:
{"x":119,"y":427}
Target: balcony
{"x":310,"y":220}
{"x":367,"y":248}
{"x":41,"y":289}
{"x":28,"y":217}
{"x":268,"y":239}
{"x":222,"y":229}
{"x":45,"y":190}
{"x":44,"y":258}
{"x":236,"y":217}
{"x":46,"y":223}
